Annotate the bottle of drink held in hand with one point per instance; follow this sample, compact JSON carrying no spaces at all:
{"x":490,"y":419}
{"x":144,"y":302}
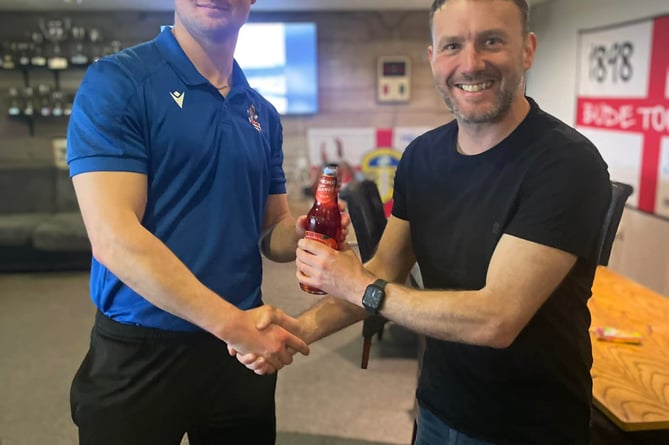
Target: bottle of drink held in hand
{"x":324,"y":218}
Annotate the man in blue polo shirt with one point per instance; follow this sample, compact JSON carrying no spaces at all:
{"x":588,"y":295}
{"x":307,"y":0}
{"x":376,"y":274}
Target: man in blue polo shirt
{"x":177,"y":166}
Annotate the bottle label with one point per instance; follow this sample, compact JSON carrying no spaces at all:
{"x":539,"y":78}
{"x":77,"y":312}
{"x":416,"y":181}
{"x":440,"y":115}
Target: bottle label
{"x":326,"y":190}
{"x":327,"y":240}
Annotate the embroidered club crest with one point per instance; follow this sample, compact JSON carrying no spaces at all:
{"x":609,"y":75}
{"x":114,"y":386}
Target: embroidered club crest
{"x":253,"y":117}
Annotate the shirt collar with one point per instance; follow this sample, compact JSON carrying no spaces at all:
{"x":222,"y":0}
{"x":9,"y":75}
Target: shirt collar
{"x":169,"y":47}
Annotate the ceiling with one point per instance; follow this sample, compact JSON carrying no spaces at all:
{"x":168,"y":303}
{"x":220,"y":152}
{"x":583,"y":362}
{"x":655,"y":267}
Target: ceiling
{"x":261,"y":5}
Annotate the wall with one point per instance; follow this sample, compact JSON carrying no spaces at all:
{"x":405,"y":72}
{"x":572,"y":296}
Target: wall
{"x":641,"y":251}
{"x":348,"y":45}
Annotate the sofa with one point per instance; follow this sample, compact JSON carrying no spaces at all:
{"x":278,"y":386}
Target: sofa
{"x":41,"y":228}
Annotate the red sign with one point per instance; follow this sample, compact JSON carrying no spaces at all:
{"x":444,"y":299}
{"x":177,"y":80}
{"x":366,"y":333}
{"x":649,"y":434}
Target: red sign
{"x":624,"y":90}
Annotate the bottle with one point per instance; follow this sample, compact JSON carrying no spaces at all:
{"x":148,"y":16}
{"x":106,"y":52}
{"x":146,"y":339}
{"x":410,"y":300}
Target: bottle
{"x":324,"y":218}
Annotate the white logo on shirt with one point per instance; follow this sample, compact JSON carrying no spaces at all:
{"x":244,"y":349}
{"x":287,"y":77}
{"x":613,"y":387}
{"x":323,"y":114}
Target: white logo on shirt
{"x":178,"y":98}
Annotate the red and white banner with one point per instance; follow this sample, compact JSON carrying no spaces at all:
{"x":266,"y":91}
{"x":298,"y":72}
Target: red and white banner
{"x":374,"y":152}
{"x":623,"y":106}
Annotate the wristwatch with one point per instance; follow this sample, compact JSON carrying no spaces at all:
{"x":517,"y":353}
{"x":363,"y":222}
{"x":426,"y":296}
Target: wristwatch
{"x":374,"y":296}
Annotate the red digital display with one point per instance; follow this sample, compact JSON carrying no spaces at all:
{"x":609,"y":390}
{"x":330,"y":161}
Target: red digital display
{"x":394,"y":68}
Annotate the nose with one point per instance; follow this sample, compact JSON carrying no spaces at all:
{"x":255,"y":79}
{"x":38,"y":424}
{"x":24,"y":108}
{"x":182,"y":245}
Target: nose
{"x":472,"y":59}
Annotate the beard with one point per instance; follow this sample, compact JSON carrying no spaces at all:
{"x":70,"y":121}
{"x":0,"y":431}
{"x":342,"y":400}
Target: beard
{"x":493,"y":112}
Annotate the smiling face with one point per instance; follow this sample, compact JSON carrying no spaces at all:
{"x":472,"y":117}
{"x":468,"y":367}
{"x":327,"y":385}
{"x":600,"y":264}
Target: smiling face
{"x":212,"y":19}
{"x":479,"y":55}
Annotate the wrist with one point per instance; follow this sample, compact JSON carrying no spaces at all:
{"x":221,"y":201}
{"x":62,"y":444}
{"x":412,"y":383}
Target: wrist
{"x":355,"y":297}
{"x":225,"y":325}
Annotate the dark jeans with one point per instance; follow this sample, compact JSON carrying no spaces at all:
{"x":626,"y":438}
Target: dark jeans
{"x":433,"y":431}
{"x":148,"y":386}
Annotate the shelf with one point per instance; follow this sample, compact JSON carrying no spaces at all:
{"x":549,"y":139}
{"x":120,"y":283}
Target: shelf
{"x":27,"y":71}
{"x":21,"y":68}
{"x":31,"y":120}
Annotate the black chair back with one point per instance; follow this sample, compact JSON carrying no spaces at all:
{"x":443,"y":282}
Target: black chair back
{"x":367,"y":215}
{"x":619,"y":194}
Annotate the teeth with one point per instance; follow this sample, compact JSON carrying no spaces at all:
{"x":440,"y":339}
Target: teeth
{"x":476,"y":87}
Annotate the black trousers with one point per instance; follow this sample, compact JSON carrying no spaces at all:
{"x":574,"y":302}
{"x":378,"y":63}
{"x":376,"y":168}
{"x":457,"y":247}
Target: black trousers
{"x":148,"y":386}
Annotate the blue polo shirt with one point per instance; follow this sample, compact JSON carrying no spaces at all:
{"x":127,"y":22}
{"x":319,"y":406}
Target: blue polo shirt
{"x":211,"y":163}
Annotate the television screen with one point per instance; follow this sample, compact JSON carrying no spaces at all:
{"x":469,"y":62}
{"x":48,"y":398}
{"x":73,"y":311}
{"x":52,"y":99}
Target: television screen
{"x":280,"y":61}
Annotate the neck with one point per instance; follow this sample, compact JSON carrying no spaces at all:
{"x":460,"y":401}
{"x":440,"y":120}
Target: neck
{"x":214,"y":60}
{"x":474,"y":139}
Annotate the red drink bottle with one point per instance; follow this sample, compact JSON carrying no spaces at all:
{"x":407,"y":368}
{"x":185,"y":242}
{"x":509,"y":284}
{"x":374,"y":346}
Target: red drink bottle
{"x":324,"y":218}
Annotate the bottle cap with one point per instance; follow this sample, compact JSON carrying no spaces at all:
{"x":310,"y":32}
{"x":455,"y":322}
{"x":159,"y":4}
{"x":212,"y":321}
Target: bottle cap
{"x":330,"y":170}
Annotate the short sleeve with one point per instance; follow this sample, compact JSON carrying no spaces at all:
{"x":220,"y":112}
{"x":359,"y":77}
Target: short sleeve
{"x":105,"y":131}
{"x":563,"y":201}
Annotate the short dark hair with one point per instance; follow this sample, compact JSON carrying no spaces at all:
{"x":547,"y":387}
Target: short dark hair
{"x":522,"y":7}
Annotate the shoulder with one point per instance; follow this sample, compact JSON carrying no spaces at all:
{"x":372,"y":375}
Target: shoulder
{"x":127,"y":68}
{"x":114,"y":84}
{"x":557,"y":140}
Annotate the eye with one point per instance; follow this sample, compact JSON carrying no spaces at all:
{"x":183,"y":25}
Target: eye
{"x":493,"y":41}
{"x":450,"y":47}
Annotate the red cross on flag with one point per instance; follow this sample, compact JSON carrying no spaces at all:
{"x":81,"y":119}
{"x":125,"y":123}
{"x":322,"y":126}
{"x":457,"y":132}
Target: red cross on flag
{"x":623,"y":106}
{"x":373,"y":153}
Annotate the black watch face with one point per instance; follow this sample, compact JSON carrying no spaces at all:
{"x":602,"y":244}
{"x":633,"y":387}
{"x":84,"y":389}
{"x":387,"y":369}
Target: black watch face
{"x":373,"y":298}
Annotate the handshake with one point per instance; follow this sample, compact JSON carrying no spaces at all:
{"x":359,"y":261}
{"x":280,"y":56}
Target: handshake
{"x":277,"y":338}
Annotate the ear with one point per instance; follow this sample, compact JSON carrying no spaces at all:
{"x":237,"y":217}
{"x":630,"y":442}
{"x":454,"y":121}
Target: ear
{"x":529,"y":50}
{"x":429,"y":53}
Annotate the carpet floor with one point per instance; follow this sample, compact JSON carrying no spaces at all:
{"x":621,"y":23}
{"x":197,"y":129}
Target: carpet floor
{"x":322,"y":399}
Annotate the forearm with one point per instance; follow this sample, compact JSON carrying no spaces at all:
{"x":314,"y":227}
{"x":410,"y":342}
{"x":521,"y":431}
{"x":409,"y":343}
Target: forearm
{"x":328,"y":316}
{"x":279,"y":242}
{"x":147,"y":266}
{"x":460,"y":316}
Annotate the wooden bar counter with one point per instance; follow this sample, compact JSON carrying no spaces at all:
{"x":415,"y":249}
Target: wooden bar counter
{"x":630,"y":382}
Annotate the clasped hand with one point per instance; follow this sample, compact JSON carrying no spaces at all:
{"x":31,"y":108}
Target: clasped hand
{"x":268,"y":339}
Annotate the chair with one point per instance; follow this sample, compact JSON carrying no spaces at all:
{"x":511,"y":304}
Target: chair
{"x":619,"y":194}
{"x":369,"y":220}
{"x":603,"y":430}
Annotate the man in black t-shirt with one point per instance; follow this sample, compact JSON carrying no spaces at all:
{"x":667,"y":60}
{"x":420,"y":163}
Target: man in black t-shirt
{"x":502,"y":209}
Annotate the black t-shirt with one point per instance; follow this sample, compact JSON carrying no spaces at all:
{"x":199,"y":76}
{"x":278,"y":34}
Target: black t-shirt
{"x":545,"y":183}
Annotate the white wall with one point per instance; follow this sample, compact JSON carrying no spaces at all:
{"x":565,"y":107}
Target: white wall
{"x":641,"y":251}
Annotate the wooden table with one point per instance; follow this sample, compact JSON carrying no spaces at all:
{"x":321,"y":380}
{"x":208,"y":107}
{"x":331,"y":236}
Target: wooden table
{"x":630,"y":382}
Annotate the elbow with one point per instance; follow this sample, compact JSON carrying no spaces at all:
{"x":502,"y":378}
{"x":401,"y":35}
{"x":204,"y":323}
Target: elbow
{"x":501,"y":341}
{"x":500,"y":325}
{"x":105,"y":247}
{"x":100,"y":249}
{"x":500,"y":334}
